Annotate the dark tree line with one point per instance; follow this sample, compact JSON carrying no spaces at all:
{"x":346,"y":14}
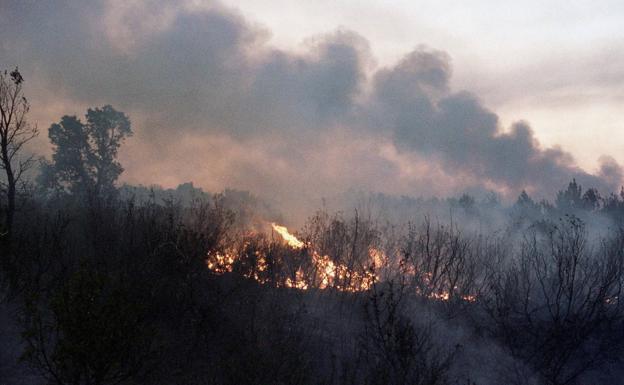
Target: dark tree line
{"x":572,"y":201}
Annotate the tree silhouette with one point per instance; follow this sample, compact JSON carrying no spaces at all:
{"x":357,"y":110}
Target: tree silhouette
{"x":15,"y":132}
{"x":85,"y":155}
{"x":571,"y":198}
{"x":591,"y":199}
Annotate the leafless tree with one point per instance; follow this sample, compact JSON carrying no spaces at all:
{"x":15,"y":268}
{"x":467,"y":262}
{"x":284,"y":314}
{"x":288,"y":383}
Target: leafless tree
{"x":15,"y":132}
{"x":444,"y":264}
{"x":396,"y":349}
{"x":347,"y":241}
{"x":558,"y":304}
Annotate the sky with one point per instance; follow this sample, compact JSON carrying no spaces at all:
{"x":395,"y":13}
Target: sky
{"x":297,"y":100}
{"x":555,"y":64}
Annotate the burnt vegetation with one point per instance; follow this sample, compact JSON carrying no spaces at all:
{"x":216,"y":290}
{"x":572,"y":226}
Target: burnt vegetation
{"x":103,"y":284}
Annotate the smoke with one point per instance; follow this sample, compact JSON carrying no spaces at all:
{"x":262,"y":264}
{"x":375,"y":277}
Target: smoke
{"x":412,"y":100}
{"x":211,"y":101}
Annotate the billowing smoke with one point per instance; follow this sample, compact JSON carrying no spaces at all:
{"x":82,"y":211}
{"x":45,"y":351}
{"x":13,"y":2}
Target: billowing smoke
{"x":211,"y":101}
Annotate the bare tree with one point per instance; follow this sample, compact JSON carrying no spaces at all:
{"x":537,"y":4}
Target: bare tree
{"x":347,"y":243}
{"x":443,"y":264}
{"x":397,"y":349}
{"x":557,"y":306}
{"x":15,"y":132}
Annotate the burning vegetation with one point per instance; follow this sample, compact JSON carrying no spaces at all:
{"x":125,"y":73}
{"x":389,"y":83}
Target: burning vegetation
{"x":322,"y":272}
{"x":312,"y":271}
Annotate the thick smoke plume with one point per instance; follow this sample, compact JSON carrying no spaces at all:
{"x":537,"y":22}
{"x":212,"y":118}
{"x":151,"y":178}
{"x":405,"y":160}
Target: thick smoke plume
{"x":211,"y":101}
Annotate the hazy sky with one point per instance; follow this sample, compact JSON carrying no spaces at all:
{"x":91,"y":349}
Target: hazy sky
{"x":295,"y":100}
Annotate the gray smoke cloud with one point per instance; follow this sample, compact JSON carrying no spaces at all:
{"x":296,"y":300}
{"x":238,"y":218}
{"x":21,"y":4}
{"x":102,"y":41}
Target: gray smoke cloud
{"x":412,"y":100}
{"x":211,"y":101}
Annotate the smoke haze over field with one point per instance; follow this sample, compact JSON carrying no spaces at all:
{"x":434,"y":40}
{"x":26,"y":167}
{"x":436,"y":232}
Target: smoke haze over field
{"x":213,"y":102}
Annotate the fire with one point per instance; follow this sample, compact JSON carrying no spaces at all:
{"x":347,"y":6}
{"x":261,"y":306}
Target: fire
{"x":379,"y":257}
{"x":443,"y":296}
{"x":288,"y":237}
{"x":323,"y":272}
{"x":339,"y":276}
{"x":469,"y":298}
{"x":299,"y":282}
{"x":220,"y":263}
{"x":329,"y":274}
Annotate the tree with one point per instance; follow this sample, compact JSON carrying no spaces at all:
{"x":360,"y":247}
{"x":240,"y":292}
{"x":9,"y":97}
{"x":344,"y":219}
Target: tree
{"x":15,"y":132}
{"x":613,"y":206}
{"x":591,"y":199}
{"x":556,"y":305}
{"x":571,"y":198}
{"x":396,"y":349}
{"x":526,"y":209}
{"x":467,"y":202}
{"x":85,"y":154}
{"x":525,"y":201}
{"x":92,"y":330}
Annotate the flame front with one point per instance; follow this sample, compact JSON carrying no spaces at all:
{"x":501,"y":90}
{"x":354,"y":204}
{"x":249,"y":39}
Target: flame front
{"x":328,"y":273}
{"x":288,"y":237}
{"x":322,"y":272}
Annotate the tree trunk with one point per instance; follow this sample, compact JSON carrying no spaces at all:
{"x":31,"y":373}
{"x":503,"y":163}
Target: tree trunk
{"x":11,"y":188}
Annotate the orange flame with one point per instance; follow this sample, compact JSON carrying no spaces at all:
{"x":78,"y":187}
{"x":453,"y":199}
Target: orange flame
{"x":327,"y":272}
{"x":288,"y":237}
